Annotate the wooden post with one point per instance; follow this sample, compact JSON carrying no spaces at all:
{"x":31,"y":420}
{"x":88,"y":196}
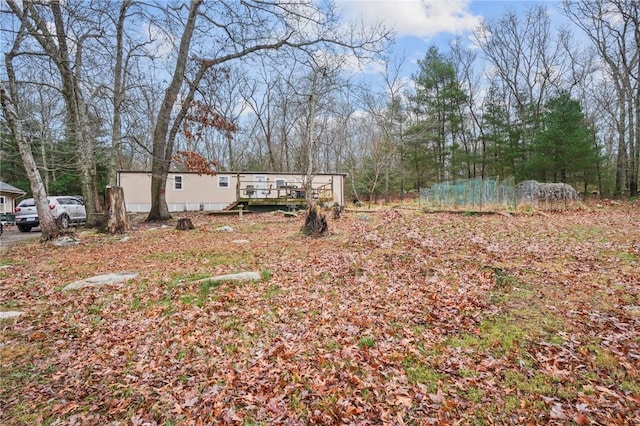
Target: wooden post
{"x":240,"y":207}
{"x":117,"y":219}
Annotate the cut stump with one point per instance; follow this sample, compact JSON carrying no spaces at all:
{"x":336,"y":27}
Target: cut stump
{"x":315,"y":223}
{"x":117,"y":220}
{"x":184,"y":224}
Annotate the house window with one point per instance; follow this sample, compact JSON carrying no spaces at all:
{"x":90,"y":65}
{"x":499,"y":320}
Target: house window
{"x":177,"y":183}
{"x":3,"y":200}
{"x":223,"y":181}
{"x":281,"y":183}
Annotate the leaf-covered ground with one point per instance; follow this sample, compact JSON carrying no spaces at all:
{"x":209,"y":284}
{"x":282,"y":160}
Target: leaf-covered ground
{"x":396,"y":317}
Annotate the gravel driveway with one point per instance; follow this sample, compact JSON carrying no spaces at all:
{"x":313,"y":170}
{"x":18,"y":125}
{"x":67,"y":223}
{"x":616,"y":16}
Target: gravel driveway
{"x":11,"y":236}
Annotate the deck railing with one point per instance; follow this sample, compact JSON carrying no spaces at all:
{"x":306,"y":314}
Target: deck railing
{"x":248,"y":190}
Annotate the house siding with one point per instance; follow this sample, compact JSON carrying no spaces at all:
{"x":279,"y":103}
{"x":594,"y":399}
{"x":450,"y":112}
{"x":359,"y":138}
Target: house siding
{"x":9,"y":197}
{"x":202,"y":192}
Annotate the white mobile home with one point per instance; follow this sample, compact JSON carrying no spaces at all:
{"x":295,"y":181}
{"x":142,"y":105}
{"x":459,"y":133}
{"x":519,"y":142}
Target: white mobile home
{"x":190,"y":191}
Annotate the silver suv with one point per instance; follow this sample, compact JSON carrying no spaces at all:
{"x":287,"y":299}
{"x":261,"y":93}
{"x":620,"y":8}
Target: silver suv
{"x":66,"y":210}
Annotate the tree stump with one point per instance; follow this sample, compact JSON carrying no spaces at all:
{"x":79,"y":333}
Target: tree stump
{"x":337,"y":211}
{"x":315,"y":223}
{"x":117,"y":219}
{"x":184,"y":224}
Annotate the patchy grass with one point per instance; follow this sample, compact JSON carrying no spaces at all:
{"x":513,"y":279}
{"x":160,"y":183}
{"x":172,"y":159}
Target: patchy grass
{"x":266,"y":275}
{"x":366,"y":342}
{"x":420,"y":373}
{"x":402,"y":317}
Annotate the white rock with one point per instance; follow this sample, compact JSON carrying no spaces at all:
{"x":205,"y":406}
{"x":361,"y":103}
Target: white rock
{"x":101,"y":280}
{"x":66,"y":241}
{"x":224,"y":229}
{"x":240,"y":276}
{"x":10,"y":314}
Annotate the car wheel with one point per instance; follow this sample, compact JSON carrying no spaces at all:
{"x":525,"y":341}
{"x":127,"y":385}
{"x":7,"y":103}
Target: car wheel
{"x":22,"y":228}
{"x":63,"y":221}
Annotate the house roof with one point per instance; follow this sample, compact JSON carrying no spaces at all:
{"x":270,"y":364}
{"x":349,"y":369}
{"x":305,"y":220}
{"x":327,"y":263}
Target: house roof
{"x":5,"y":187}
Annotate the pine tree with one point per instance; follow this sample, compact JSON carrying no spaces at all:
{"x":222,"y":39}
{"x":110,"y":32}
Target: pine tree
{"x":564,"y":149}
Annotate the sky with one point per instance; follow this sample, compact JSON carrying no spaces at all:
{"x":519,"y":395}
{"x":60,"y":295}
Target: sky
{"x":419,"y":24}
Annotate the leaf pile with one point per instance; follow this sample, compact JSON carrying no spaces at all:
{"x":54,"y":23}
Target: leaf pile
{"x":396,"y":317}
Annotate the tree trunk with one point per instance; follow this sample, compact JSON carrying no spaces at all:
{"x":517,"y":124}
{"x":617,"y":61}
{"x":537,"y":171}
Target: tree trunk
{"x":8,"y":101}
{"x":159,"y":210}
{"x":162,"y":145}
{"x":47,"y":224}
{"x":117,"y":219}
{"x":310,"y":140}
{"x":621,"y":157}
{"x":77,"y":127}
{"x":117,"y":99}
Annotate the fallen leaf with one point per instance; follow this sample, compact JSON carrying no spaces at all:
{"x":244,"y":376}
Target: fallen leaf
{"x":557,"y":412}
{"x":581,"y":419}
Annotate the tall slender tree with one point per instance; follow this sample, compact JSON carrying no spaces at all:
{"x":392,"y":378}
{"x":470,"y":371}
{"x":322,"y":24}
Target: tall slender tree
{"x":12,"y":115}
{"x":613,"y":27}
{"x":438,"y":101}
{"x":68,"y":59}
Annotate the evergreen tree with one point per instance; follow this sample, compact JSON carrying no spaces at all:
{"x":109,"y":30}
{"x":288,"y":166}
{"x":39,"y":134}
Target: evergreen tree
{"x":564,"y":149}
{"x":437,"y":102}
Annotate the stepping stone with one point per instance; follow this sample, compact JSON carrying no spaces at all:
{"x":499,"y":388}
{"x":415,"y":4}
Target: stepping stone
{"x":10,"y":314}
{"x":101,"y":280}
{"x":240,"y":276}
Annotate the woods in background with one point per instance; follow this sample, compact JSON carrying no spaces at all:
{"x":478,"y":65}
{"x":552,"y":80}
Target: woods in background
{"x":101,"y":86}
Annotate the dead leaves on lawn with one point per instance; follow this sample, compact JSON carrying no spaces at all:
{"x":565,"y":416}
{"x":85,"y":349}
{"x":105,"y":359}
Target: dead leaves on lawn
{"x":393,"y":318}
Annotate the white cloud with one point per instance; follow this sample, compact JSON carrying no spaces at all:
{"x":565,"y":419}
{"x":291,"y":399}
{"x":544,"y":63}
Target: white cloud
{"x":420,"y":18}
{"x":163,"y":43}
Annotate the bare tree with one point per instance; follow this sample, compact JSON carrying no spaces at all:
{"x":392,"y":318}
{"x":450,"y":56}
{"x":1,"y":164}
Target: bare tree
{"x":55,"y":43}
{"x":472,"y":135}
{"x":124,"y":78}
{"x":262,"y":98}
{"x":527,"y":59}
{"x":389,"y":113}
{"x":248,"y":28}
{"x":12,"y":115}
{"x":614,"y":30}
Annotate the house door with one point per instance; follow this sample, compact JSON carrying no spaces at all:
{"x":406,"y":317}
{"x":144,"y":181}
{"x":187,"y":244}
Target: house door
{"x":260,"y":185}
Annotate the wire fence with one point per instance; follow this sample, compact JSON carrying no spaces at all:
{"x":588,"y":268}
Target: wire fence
{"x":487,"y":193}
{"x":495,"y":193}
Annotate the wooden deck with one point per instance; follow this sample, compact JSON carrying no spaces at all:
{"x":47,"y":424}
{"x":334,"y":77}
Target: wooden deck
{"x":291,"y":196}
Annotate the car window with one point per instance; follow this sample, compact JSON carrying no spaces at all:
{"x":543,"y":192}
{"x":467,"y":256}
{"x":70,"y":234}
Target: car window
{"x":27,"y":203}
